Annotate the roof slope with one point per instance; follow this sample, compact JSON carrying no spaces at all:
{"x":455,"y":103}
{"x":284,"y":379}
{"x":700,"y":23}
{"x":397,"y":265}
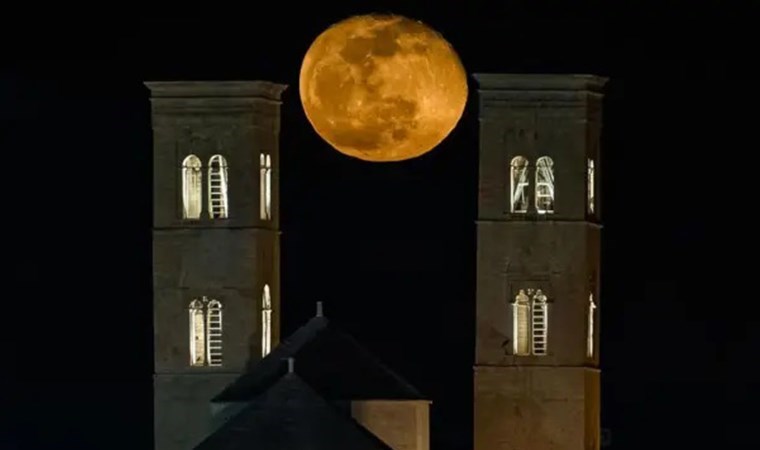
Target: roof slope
{"x":291,"y":415}
{"x":330,"y":361}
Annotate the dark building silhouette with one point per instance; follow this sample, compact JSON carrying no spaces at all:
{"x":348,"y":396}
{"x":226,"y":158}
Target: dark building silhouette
{"x":221,"y":377}
{"x":290,"y":414}
{"x":341,"y":373}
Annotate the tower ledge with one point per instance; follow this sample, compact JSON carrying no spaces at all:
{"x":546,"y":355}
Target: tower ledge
{"x":539,"y":82}
{"x":558,"y":92}
{"x":215,"y":89}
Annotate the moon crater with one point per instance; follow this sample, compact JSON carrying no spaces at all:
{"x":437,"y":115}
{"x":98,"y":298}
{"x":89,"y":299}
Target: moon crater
{"x":382,"y":88}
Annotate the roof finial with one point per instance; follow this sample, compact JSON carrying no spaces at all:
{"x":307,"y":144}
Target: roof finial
{"x":291,"y":364}
{"x":319,"y":309}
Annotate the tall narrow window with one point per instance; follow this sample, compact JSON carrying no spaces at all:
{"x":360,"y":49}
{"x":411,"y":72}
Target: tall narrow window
{"x":214,"y":328}
{"x":197,"y":334}
{"x":265,"y":186}
{"x":205,"y":332}
{"x":540,"y":323}
{"x":590,"y":185}
{"x":545,"y":185}
{"x":218,"y":203}
{"x":521,"y":324}
{"x":519,"y":185}
{"x":192,"y":179}
{"x":590,"y":325}
{"x":266,"y":322}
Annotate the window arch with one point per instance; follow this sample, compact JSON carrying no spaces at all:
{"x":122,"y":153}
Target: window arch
{"x":590,"y":327}
{"x":521,"y":324}
{"x":540,"y":323}
{"x":265,"y":186}
{"x":590,"y":185}
{"x":218,"y":204}
{"x":266,"y":321}
{"x":205,"y":332}
{"x":545,"y":185}
{"x":192,"y":180}
{"x":519,"y":185}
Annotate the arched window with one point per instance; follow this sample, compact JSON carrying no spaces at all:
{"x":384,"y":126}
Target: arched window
{"x":540,"y":323}
{"x":197,"y":334}
{"x":218,"y":204}
{"x":519,"y":185}
{"x":214,"y":328}
{"x":266,"y":321}
{"x":265,"y":186}
{"x":205,"y":332}
{"x":530,"y":328}
{"x":545,"y":185}
{"x":590,"y":185}
{"x":192,"y":180}
{"x":590,"y":326}
{"x":521,"y":324}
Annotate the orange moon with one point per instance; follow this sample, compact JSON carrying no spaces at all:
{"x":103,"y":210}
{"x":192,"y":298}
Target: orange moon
{"x":382,"y":87}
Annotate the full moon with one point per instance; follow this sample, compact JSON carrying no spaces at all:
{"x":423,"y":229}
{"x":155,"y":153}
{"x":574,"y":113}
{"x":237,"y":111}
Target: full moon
{"x":382,"y":87}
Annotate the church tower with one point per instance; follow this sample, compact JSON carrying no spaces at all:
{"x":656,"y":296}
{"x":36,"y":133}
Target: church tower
{"x":216,"y":254}
{"x":537,"y":381}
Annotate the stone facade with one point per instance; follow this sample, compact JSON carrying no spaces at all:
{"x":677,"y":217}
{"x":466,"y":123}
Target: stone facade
{"x":228,"y":259}
{"x":402,"y":424}
{"x":549,"y":401}
{"x":536,"y":407}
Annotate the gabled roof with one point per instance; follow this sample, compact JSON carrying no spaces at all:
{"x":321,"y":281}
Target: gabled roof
{"x":330,"y":361}
{"x":291,"y":415}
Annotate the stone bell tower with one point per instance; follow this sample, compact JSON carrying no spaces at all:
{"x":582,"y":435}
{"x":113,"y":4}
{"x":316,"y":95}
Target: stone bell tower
{"x":536,"y":381}
{"x":215,"y":244}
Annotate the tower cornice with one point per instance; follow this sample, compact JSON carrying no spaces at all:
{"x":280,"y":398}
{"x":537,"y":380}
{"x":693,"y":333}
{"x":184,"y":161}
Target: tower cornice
{"x":557,"y":94}
{"x":215,"y":89}
{"x":490,"y":82}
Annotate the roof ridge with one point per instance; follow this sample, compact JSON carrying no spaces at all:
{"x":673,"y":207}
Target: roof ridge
{"x":337,"y":364}
{"x":244,"y":423}
{"x":291,"y":344}
{"x":377,"y":361}
{"x":360,"y":428}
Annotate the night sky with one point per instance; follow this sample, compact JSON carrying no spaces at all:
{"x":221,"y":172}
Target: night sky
{"x":389,"y":248}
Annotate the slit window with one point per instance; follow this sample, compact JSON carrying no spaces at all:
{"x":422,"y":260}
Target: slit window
{"x":266,"y":321}
{"x":265,"y":186}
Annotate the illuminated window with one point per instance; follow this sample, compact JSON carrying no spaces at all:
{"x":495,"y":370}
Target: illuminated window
{"x":192,"y":178}
{"x":205,"y":332}
{"x":197,"y":334}
{"x":544,"y":185}
{"x":521,"y":324}
{"x":218,"y":204}
{"x":266,"y":322}
{"x":590,"y":185}
{"x":265,"y":186}
{"x":590,"y":326}
{"x":519,"y":185}
{"x":540,"y":323}
{"x":214,"y":328}
{"x":530,"y":328}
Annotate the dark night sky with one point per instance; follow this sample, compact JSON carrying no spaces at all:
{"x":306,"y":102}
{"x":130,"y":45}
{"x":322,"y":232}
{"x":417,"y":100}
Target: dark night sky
{"x":389,"y":248}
